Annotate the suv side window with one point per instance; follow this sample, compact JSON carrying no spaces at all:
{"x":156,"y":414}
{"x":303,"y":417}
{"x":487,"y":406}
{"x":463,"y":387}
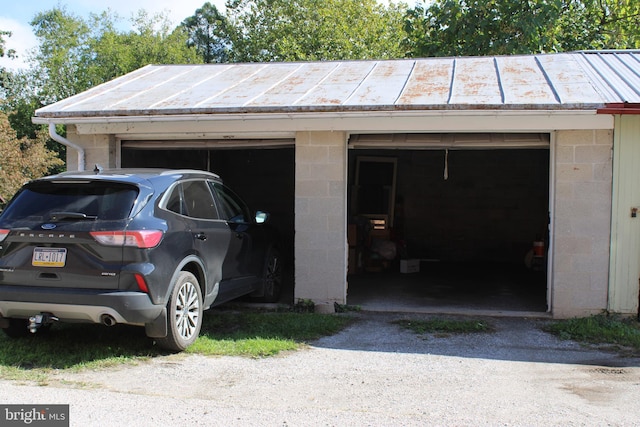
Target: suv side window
{"x":175,"y":203}
{"x":194,"y":199}
{"x":232,"y":207}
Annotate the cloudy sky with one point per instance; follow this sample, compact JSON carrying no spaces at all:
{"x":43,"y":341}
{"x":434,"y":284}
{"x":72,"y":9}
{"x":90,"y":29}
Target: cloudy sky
{"x":16,"y":14}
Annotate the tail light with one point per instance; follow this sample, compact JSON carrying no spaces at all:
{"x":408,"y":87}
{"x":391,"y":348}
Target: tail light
{"x":142,"y":239}
{"x":3,"y":234}
{"x":142,"y":284}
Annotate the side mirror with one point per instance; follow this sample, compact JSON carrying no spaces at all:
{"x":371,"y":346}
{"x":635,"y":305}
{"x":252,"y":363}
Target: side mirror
{"x":262,"y":217}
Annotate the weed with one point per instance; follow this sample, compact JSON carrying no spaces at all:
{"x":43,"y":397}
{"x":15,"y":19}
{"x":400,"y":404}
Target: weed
{"x":345,"y":308}
{"x":444,"y":327}
{"x":598,"y":329}
{"x":304,"y":306}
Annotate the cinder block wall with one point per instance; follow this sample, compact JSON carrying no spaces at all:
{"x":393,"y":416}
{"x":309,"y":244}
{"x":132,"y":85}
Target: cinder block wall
{"x":99,"y":149}
{"x":320,"y":217}
{"x":582,"y":218}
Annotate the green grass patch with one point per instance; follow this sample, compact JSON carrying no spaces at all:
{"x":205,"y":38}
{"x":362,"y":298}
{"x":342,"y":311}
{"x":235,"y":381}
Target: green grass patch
{"x":80,"y":346}
{"x":599,"y":329}
{"x":263,"y":334}
{"x":445,"y":326}
{"x":73,"y":346}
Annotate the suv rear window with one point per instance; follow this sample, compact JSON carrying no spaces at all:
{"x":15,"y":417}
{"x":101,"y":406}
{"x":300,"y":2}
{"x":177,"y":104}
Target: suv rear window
{"x":102,"y":200}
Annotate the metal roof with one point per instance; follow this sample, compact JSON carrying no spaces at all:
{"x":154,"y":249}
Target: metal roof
{"x":564,"y":81}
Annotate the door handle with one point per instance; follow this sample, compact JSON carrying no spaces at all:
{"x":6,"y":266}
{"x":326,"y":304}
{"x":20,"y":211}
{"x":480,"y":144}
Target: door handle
{"x":201,"y":236}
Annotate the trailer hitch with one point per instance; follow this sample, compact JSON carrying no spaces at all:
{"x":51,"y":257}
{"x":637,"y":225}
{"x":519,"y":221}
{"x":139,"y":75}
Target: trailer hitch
{"x":39,"y":320}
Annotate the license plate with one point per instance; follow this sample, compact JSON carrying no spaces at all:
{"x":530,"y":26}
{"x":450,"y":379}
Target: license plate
{"x":49,"y":257}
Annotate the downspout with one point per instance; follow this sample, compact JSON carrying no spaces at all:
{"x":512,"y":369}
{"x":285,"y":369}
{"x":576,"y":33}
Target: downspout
{"x":64,"y":141}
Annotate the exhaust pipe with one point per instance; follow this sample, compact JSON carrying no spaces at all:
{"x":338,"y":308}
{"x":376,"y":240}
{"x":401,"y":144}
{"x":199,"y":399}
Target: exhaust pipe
{"x":108,"y":320}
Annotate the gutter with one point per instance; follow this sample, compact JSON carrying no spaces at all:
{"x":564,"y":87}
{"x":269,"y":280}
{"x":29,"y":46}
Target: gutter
{"x":64,"y":141}
{"x":620,"y":108}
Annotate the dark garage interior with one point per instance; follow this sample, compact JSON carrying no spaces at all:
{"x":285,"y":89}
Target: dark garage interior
{"x":460,"y":223}
{"x":263,"y":177}
{"x":442,"y":229}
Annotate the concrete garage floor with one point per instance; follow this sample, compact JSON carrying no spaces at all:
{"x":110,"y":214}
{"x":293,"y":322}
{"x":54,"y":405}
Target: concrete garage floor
{"x":453,"y":288}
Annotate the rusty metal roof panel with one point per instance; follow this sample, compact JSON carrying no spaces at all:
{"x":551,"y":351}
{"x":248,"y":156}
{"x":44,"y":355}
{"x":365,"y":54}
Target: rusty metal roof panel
{"x":166,"y":81}
{"x":145,"y":91}
{"x":521,"y":79}
{"x":578,"y":80}
{"x":383,"y":84}
{"x":220,"y":79}
{"x":199,"y":83}
{"x":86,"y":100}
{"x":429,"y":83}
{"x":337,"y":86}
{"x":475,"y":82}
{"x":568,"y":80}
{"x":253,"y":87}
{"x":296,"y":85}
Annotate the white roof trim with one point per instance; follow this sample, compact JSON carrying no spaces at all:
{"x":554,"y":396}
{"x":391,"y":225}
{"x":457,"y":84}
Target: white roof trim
{"x":286,"y":125}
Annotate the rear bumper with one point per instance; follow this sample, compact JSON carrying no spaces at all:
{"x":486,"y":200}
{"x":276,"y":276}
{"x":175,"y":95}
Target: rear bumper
{"x":78,"y":305}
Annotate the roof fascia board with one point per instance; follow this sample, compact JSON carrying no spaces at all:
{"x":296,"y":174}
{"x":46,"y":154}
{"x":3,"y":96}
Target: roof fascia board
{"x":285,"y":125}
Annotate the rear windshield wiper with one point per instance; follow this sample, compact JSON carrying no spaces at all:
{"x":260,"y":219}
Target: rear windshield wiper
{"x":59,"y":216}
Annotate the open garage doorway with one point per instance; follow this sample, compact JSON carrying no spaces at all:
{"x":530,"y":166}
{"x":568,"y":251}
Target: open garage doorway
{"x":451,"y":229}
{"x":263,"y":176}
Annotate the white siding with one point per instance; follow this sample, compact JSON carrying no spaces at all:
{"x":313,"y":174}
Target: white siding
{"x":625,"y":229}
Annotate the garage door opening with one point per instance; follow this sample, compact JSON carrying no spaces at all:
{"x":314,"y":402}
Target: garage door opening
{"x":263,"y":176}
{"x":449,"y":228}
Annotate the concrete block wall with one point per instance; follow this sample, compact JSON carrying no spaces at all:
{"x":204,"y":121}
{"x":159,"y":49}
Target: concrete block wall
{"x":320,"y":217}
{"x":582,"y":218}
{"x":99,"y":149}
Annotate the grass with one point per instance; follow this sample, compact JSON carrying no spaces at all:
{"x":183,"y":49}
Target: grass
{"x":445,"y":327}
{"x":263,"y":334}
{"x":236,"y":333}
{"x":599,"y":329}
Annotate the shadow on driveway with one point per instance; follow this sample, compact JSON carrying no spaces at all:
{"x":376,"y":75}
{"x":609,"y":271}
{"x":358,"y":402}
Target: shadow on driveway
{"x":513,"y":339}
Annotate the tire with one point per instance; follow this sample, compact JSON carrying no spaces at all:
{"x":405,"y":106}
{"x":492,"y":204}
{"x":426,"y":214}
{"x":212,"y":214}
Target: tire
{"x":17,"y":328}
{"x":272,"y":276}
{"x":184,"y":313}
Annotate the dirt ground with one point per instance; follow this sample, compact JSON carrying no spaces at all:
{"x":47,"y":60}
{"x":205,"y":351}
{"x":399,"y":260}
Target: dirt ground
{"x":372,"y":373}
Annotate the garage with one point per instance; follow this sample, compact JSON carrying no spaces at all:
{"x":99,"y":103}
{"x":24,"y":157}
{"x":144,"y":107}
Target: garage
{"x":261,"y":171}
{"x":446,"y":222}
{"x":506,"y":176}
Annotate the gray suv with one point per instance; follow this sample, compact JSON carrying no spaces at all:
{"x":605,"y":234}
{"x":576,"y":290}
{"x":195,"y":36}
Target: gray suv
{"x":152,"y":248}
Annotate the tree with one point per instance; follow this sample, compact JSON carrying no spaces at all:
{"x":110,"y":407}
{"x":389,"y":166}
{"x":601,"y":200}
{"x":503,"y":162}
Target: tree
{"x":208,"y":33}
{"x":74,"y":54}
{"x":292,"y":30}
{"x":10,"y":53}
{"x":22,"y":159}
{"x":617,"y":23}
{"x":473,"y":27}
{"x":59,"y":70}
{"x":150,"y":42}
{"x":496,"y":27}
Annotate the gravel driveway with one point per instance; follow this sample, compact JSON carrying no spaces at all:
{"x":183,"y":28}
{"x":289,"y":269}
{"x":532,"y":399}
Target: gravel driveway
{"x":372,"y":373}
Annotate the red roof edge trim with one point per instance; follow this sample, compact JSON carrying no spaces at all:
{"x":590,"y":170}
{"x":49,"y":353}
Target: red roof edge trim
{"x":620,"y":108}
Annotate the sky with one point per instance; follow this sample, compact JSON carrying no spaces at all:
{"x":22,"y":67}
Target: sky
{"x":15,"y":16}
